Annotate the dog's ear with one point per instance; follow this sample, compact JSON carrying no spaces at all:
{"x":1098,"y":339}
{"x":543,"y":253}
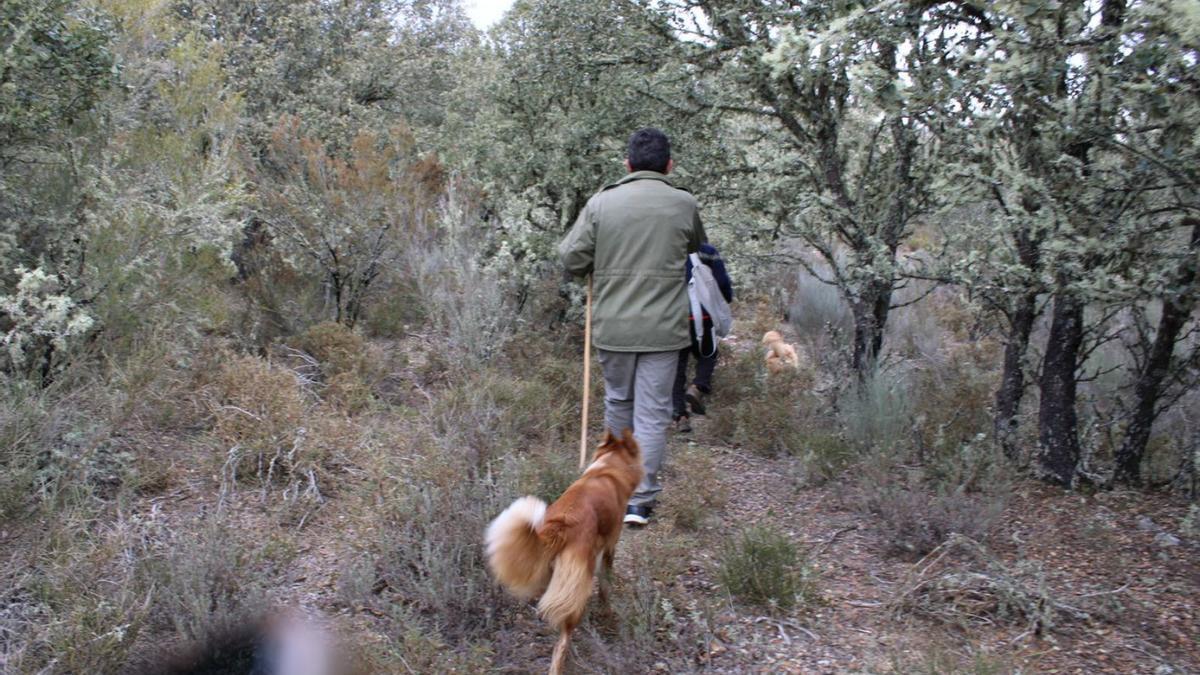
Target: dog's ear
{"x":628,"y":440}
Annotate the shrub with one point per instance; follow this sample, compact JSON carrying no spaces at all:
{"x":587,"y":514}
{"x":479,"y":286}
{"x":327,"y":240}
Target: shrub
{"x":63,"y":621}
{"x":26,"y":428}
{"x":208,"y":585}
{"x":338,"y":349}
{"x":56,"y":450}
{"x":953,"y":399}
{"x":488,"y":415}
{"x":920,"y":506}
{"x":960,"y":582}
{"x":397,"y":309}
{"x":878,"y":412}
{"x":762,"y":566}
{"x":469,"y":298}
{"x":547,"y":471}
{"x":259,"y":415}
{"x":818,"y":310}
{"x":652,"y":616}
{"x":767,"y":414}
{"x":825,"y":455}
{"x":427,"y":550}
{"x":693,"y":494}
{"x":348,"y":392}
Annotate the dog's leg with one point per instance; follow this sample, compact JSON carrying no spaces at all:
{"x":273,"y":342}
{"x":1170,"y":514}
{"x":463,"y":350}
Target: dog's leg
{"x":560,"y":651}
{"x":606,"y":575}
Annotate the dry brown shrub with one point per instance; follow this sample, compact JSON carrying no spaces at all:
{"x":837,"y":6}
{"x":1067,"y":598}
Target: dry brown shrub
{"x":259,"y":413}
{"x":348,"y":392}
{"x":338,"y":348}
{"x":961,"y":582}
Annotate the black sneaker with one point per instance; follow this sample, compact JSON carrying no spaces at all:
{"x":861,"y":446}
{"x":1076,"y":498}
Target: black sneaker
{"x":683,"y":424}
{"x":637,"y":515}
{"x":695,"y":399}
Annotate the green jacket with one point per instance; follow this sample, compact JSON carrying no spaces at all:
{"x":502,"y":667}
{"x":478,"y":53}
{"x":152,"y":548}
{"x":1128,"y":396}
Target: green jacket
{"x":633,"y":237}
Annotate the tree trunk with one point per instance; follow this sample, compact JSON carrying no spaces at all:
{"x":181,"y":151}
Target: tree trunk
{"x":1175,"y":314}
{"x":1058,"y":433}
{"x":870,"y":318}
{"x":1012,"y":379}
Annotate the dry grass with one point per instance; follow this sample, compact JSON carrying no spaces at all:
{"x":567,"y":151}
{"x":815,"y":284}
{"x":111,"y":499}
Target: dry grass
{"x":770,"y":415}
{"x":692,"y":496}
{"x":961,"y":582}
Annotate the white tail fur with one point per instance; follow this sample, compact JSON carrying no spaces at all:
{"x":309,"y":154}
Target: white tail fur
{"x":519,"y":559}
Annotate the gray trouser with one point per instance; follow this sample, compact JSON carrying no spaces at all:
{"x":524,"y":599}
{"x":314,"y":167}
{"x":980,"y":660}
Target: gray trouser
{"x":637,"y":395}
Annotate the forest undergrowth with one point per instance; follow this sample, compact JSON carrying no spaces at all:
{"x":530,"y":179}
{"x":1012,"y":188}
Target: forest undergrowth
{"x":805,"y":526}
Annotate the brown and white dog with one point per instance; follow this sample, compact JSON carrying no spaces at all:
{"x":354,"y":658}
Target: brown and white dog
{"x":780,"y":355}
{"x":551,"y":551}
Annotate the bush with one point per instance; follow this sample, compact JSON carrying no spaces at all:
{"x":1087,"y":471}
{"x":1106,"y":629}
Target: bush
{"x":58,"y":619}
{"x":259,"y":415}
{"x":878,"y":412}
{"x":55,"y":450}
{"x":208,"y":586}
{"x":825,"y":455}
{"x":693,"y":494}
{"x":469,"y":298}
{"x":337,"y":348}
{"x":818,"y":310}
{"x":488,"y":415}
{"x":769,"y":415}
{"x":763,"y":567}
{"x":921,"y":505}
{"x":961,"y":582}
{"x":427,"y":552}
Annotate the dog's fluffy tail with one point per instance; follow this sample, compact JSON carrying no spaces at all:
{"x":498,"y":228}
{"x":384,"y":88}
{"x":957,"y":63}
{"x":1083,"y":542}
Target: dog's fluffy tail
{"x":518,"y":557}
{"x":570,"y":587}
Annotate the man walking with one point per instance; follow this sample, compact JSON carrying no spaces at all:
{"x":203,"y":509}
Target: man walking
{"x":633,"y":237}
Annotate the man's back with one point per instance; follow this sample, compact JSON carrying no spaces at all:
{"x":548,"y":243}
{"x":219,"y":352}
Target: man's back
{"x":634,"y":237}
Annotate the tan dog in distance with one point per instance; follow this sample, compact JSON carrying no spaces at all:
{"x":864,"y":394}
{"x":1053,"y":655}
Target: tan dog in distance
{"x":780,"y":355}
{"x":551,"y":551}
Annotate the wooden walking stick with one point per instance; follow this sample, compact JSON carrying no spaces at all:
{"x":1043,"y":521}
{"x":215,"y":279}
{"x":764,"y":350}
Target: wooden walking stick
{"x":587,"y":375}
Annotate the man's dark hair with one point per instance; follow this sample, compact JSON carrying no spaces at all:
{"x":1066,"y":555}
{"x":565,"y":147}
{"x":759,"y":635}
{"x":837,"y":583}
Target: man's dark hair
{"x":649,"y":150}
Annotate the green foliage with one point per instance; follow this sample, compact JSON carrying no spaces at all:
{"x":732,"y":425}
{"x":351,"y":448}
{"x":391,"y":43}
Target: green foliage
{"x":340,"y":68}
{"x":42,"y":320}
{"x":763,"y":567}
{"x":55,"y":64}
{"x":543,"y":117}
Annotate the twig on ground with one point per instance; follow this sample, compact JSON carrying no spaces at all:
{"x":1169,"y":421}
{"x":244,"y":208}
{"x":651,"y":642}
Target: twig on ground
{"x":778,"y":626}
{"x":1099,"y":593}
{"x":831,"y":539}
{"x":780,"y":623}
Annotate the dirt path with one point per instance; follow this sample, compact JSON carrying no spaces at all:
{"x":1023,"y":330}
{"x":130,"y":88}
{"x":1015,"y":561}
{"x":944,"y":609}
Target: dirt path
{"x":1150,"y":625}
